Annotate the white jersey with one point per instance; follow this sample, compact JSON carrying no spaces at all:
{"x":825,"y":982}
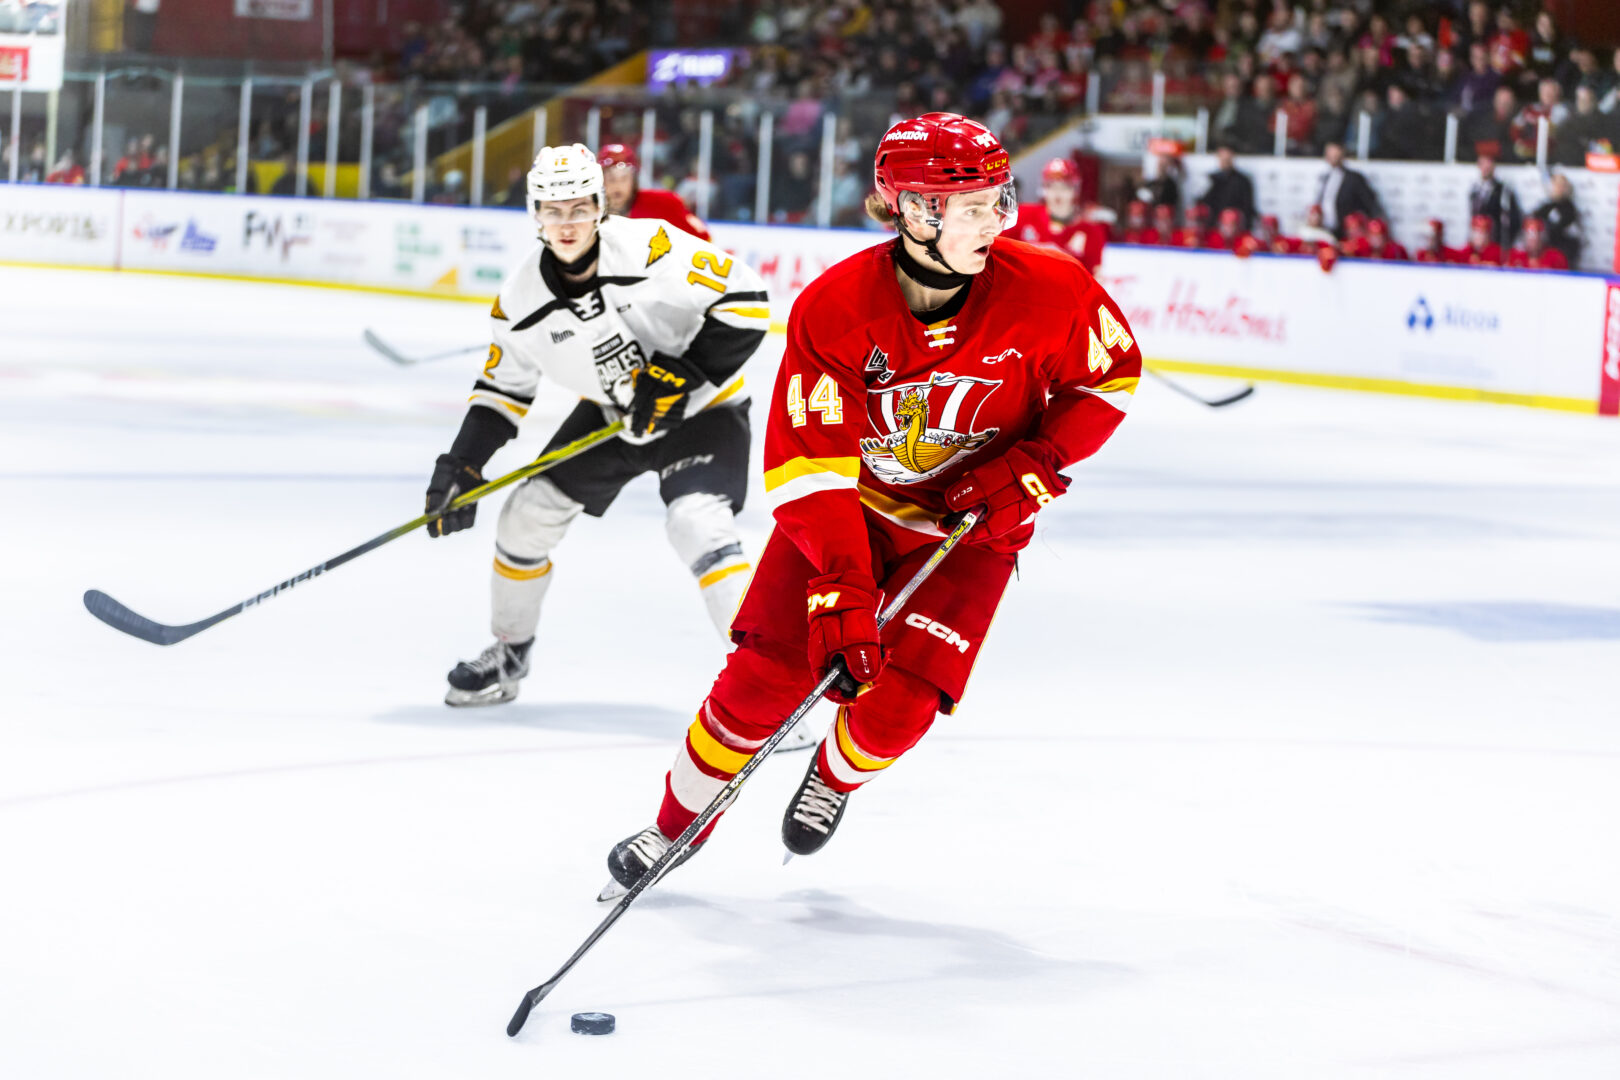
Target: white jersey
{"x":657,"y":289}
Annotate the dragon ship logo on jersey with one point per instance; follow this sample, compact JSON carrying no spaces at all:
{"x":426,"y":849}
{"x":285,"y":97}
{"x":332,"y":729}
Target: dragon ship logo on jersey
{"x":930,"y":426}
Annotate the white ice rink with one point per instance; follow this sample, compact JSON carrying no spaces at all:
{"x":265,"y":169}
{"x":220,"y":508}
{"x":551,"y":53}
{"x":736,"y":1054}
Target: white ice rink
{"x":1295,"y":752}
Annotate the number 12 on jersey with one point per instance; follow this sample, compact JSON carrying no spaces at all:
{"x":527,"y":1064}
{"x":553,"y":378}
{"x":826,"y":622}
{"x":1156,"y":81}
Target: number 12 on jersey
{"x":824,"y":399}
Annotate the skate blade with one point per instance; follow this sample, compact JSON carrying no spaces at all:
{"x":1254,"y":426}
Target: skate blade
{"x":787,"y":857}
{"x":473,"y":699}
{"x":797,"y":739}
{"x":611,"y":891}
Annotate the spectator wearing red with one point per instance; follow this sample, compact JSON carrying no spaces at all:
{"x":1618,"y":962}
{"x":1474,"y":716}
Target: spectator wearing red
{"x":67,"y":171}
{"x":1299,"y":112}
{"x":1536,"y":255}
{"x":1191,"y":235}
{"x":1136,"y":229}
{"x":137,"y":160}
{"x":1434,"y":248}
{"x":1482,"y":249}
{"x":1549,"y":106}
{"x":619,"y":174}
{"x":1381,"y":246}
{"x":1059,"y":220}
{"x":1228,"y":233}
{"x":1510,"y":45}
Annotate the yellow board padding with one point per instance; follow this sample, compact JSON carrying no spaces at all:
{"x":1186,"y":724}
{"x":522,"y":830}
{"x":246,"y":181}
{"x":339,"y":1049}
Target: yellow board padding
{"x":516,"y":574}
{"x":721,"y":574}
{"x":853,"y":753}
{"x":1371,"y":385}
{"x":712,"y":753}
{"x":806,"y":466}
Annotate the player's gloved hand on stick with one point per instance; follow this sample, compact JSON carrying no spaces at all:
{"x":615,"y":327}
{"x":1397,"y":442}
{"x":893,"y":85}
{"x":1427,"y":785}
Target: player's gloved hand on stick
{"x":1009,"y":489}
{"x":451,"y":477}
{"x":658,"y":402}
{"x":843,"y":625}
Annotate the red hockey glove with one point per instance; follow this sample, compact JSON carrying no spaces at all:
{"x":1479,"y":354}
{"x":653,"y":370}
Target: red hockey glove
{"x":1009,"y":489}
{"x":843,"y":626}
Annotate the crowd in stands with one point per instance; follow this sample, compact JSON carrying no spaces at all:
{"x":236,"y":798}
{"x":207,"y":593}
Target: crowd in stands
{"x":1348,"y":221}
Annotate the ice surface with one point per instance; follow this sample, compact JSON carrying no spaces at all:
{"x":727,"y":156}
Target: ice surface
{"x":1294,"y":752}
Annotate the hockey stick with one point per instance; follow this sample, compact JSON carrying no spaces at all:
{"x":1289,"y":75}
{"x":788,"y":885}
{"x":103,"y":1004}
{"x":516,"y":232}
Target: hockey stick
{"x":119,"y":617}
{"x":684,"y":841}
{"x":1214,"y":403}
{"x":406,"y":361}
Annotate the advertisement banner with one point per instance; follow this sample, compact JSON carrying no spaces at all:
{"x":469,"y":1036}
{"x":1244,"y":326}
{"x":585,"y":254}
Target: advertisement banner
{"x":1609,"y":393}
{"x":58,"y":225}
{"x":1498,"y":332}
{"x":33,"y":61}
{"x":700,"y":66}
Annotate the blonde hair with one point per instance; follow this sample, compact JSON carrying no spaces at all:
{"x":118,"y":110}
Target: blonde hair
{"x":878,"y":210}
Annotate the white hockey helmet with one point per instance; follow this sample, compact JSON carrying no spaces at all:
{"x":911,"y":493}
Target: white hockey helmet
{"x":561,"y":173}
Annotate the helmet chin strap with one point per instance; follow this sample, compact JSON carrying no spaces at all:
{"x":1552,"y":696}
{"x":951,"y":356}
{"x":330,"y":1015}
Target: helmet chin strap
{"x":916,"y":271}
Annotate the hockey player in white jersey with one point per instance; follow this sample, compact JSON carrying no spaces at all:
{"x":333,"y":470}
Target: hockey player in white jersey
{"x":646,"y":323}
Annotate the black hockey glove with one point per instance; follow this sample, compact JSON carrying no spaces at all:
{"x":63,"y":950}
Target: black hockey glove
{"x":451,"y":476}
{"x":659,"y":400}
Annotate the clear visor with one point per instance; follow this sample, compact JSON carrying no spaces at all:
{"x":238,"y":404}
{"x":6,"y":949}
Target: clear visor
{"x":973,"y":209}
{"x":576,"y":212}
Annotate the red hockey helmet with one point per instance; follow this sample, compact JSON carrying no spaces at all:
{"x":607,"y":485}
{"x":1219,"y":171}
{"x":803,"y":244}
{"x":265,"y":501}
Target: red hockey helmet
{"x":1164,"y":211}
{"x":1198,"y":212}
{"x":1231,"y":216}
{"x":1535,"y":225}
{"x":1060,"y":171}
{"x":1377,"y":227}
{"x":616,"y":153}
{"x":1355,"y":224}
{"x":1437,"y":228}
{"x":938,"y":154}
{"x":1270,"y":222}
{"x":1480,"y":221}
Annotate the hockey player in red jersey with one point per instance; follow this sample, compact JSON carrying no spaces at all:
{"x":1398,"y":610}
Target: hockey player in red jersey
{"x":1381,"y":246}
{"x":1136,"y":229}
{"x":1059,"y":219}
{"x":620,"y":169}
{"x":1536,"y":255}
{"x":1481,"y":249}
{"x":952,"y":368}
{"x":1228,"y":234}
{"x":1193,"y":233}
{"x":1164,"y":225}
{"x":1434,"y":249}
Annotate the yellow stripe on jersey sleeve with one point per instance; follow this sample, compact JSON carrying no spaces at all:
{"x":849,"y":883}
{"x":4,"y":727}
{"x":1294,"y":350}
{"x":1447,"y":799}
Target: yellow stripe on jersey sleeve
{"x":805,"y":476}
{"x":484,"y":397}
{"x":1118,"y":393}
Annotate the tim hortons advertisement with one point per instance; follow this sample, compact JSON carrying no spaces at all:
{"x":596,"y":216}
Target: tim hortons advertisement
{"x":58,"y":225}
{"x":1609,"y":395}
{"x":1525,"y":334}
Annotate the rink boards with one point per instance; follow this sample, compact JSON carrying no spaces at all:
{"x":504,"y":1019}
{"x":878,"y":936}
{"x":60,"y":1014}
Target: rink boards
{"x":1532,"y":338}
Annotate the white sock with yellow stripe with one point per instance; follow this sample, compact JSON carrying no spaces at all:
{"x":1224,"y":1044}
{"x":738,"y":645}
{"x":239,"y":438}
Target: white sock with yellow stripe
{"x":703,"y":532}
{"x":709,"y":759}
{"x":532,"y":524}
{"x":844,"y":763}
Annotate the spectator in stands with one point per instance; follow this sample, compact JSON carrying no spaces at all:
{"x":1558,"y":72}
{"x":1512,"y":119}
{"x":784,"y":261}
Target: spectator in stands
{"x":1584,"y":131}
{"x":1562,"y":219}
{"x":287,"y":183}
{"x":1405,"y":134}
{"x":1233,"y":121}
{"x":1165,"y":188}
{"x":1609,"y":89}
{"x":1478,"y":87}
{"x":1535,"y":254}
{"x":1257,"y":139}
{"x":794,"y":190}
{"x":67,"y":171}
{"x":136,"y":160}
{"x":1299,"y":111}
{"x":1489,"y":132}
{"x":1549,"y":106}
{"x":1493,"y":200}
{"x":1343,"y":191}
{"x":1229,"y":189}
{"x":1332,"y":116}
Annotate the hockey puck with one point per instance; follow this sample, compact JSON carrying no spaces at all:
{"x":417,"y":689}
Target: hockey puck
{"x":592,"y":1023}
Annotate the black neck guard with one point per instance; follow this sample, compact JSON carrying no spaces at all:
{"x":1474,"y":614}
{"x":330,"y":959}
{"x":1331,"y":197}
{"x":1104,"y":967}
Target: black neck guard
{"x":928,"y":279}
{"x":562,"y":286}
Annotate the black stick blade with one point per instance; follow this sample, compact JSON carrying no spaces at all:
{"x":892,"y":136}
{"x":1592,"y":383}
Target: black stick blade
{"x":119,"y":617}
{"x":1239,"y":396}
{"x":521,"y":1017}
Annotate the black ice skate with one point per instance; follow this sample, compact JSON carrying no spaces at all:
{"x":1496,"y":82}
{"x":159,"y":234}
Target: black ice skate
{"x":633,"y":856}
{"x":812,"y":814}
{"x":492,"y":679}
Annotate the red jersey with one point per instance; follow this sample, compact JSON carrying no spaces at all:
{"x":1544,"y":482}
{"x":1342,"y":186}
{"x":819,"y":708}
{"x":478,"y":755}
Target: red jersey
{"x":1550,"y":259}
{"x":1214,"y":241}
{"x":1443,"y":256}
{"x":875,"y":414}
{"x":1489,"y":255}
{"x":1188,"y":236}
{"x":1287,"y":245}
{"x":1390,"y":252}
{"x":1149,"y":236}
{"x":658,"y":203}
{"x":1083,"y":239}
